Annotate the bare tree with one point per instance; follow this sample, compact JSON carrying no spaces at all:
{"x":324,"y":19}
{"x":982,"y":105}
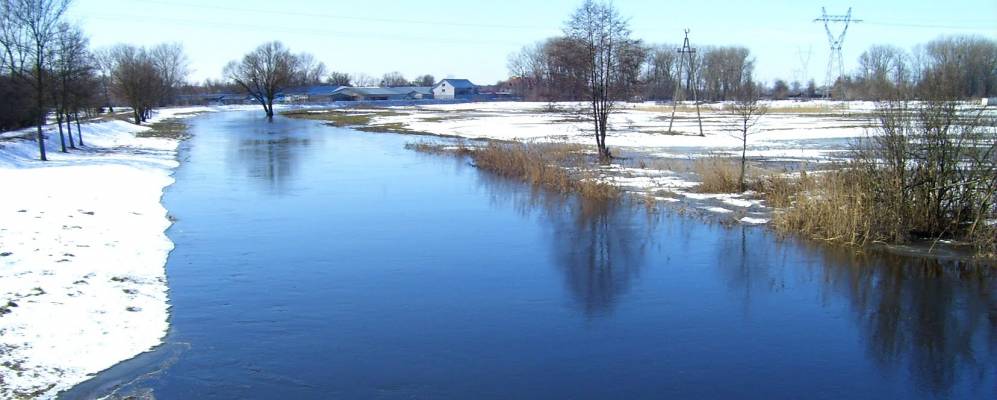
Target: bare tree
{"x":363,"y":80}
{"x":394,"y":79}
{"x":780,"y":89}
{"x":103,"y":61}
{"x":28,"y":30}
{"x":425,"y":80}
{"x":172,"y":65}
{"x":136,"y":80}
{"x":746,"y":111}
{"x":339,"y":79}
{"x":264,"y":72}
{"x":660,"y":69}
{"x":598,"y":28}
{"x":70,"y":65}
{"x":308,"y":71}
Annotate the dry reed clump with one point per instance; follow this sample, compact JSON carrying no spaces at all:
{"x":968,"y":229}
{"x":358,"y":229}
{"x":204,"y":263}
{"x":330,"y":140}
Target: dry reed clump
{"x":840,"y":206}
{"x":559,"y":167}
{"x":460,"y":148}
{"x":718,"y":174}
{"x":930,"y":173}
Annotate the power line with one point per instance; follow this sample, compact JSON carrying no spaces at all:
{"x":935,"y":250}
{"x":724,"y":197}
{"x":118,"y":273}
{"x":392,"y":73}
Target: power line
{"x":353,"y":18}
{"x":930,"y":26}
{"x":290,"y":30}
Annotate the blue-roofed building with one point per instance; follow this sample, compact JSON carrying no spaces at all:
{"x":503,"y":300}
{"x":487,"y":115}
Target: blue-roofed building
{"x":382,"y":93}
{"x":449,"y":89}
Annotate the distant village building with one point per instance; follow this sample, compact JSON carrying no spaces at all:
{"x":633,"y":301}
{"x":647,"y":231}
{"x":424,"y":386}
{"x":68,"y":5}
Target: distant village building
{"x":450,"y":89}
{"x":447,"y":89}
{"x":382,"y":93}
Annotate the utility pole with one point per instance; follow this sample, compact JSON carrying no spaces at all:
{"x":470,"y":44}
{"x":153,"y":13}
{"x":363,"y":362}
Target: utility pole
{"x":687,"y":51}
{"x":835,"y":61}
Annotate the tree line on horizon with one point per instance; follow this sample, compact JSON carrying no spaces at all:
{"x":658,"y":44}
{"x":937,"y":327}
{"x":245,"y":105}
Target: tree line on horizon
{"x":956,"y":67}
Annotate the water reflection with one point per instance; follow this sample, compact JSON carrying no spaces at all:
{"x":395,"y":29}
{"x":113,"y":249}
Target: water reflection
{"x":271,"y":153}
{"x":600,"y":246}
{"x":934,"y":319}
{"x":272,"y":161}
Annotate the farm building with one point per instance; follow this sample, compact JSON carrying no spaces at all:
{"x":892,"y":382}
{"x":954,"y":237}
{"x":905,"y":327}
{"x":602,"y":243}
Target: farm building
{"x":449,"y":89}
{"x":382,"y":93}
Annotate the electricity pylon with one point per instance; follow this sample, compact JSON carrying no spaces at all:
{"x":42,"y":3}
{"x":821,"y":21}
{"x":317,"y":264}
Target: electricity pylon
{"x":835,"y":61}
{"x":688,"y":51}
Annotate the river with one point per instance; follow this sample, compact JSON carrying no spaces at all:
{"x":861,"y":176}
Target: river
{"x":321,"y":262}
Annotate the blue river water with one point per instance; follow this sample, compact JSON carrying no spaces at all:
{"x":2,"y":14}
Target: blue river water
{"x":315,"y":262}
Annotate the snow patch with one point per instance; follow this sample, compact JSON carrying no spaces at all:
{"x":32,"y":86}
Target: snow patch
{"x":82,"y":254}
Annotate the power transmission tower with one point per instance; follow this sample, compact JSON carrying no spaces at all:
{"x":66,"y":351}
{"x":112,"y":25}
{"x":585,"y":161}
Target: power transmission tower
{"x":835,"y":61}
{"x":687,"y":51}
{"x":803,"y":74}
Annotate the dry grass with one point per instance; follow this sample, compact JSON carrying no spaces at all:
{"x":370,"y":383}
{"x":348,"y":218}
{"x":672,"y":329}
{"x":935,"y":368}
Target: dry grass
{"x":459,"y":149}
{"x":718,"y":174}
{"x":170,"y":129}
{"x":809,"y":109}
{"x":852,"y":206}
{"x":839,"y":206}
{"x":565,"y":168}
{"x":558,"y":167}
{"x":343,"y":118}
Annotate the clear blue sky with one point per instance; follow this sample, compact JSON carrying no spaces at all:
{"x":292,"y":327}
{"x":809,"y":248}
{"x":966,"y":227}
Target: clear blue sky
{"x":473,"y":39}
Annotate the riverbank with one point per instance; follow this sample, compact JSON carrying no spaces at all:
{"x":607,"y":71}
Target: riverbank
{"x":661,"y":158}
{"x":664,"y":159}
{"x":82,"y":251}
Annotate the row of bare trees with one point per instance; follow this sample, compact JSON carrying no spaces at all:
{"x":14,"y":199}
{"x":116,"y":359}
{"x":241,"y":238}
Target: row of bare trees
{"x":47,"y":69}
{"x":554,"y":69}
{"x":957,"y":67}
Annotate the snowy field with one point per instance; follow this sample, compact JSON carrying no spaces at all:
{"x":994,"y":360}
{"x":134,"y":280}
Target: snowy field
{"x":792,"y":130}
{"x":82,"y":253}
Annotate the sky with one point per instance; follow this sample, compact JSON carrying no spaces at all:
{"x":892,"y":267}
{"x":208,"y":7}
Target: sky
{"x":473,"y":39}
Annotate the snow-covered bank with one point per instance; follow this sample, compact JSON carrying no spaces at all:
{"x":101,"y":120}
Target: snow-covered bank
{"x":82,"y":253}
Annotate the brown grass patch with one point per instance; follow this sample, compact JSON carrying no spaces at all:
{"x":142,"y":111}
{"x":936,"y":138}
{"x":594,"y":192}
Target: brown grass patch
{"x":718,"y":174}
{"x":343,"y":118}
{"x":170,"y":129}
{"x":558,"y":167}
{"x":459,"y":149}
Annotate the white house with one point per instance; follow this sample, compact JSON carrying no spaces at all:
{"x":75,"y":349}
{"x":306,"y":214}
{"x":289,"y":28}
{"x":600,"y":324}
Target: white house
{"x":449,"y":89}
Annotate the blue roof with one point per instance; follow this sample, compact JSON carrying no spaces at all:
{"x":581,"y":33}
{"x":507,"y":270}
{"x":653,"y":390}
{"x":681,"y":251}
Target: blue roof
{"x":385,"y":91}
{"x":458,"y":83}
{"x":322,"y":90}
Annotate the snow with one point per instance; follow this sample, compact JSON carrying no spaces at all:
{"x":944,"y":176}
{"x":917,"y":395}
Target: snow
{"x":83,"y":246}
{"x":792,"y":130}
{"x":753,"y":221}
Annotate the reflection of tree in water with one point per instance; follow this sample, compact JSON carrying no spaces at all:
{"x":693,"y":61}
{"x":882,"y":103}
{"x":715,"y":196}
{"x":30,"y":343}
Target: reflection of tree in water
{"x":599,"y":245}
{"x":272,"y":161}
{"x":936,"y":320}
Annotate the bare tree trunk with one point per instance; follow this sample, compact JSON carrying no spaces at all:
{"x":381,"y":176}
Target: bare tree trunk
{"x":744,"y":155}
{"x":69,"y":131}
{"x":79,"y":133}
{"x":39,"y":87}
{"x":62,"y":138}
